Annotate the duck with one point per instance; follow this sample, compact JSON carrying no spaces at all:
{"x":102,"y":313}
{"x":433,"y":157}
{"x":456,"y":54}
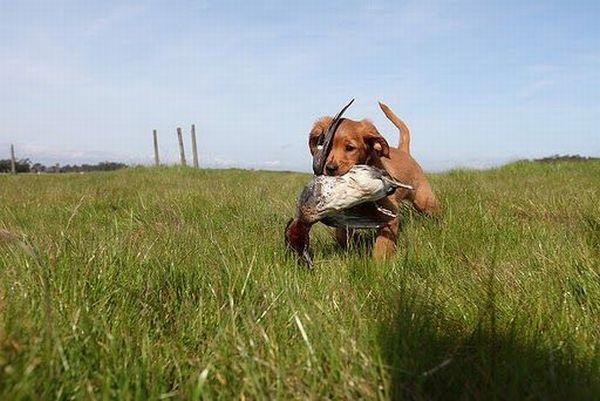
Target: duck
{"x":347,"y":201}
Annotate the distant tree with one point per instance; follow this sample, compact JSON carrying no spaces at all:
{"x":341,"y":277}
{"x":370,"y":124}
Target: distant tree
{"x":53,"y":169}
{"x":102,"y":166}
{"x":21,"y":165}
{"x":5,"y":166}
{"x":559,"y":158}
{"x":110,"y":166}
{"x":66,"y":169}
{"x":26,"y":166}
{"x":38,"y":168}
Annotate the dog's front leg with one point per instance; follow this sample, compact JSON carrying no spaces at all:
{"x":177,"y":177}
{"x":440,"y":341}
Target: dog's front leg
{"x":385,"y":242}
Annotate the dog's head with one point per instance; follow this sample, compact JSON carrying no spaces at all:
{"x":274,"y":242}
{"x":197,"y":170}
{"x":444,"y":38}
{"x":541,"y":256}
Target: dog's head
{"x":355,"y":142}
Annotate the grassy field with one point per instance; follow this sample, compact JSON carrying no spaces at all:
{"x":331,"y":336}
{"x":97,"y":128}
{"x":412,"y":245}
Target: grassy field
{"x":149,"y":284}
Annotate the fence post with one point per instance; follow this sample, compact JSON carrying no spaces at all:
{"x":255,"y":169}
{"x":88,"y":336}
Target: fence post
{"x":13,"y":162}
{"x":181,"y":151}
{"x":156,"y":158}
{"x":194,"y":146}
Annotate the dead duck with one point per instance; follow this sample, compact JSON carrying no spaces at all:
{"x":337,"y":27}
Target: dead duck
{"x":341,"y":201}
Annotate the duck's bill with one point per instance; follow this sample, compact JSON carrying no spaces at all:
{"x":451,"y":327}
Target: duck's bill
{"x":320,"y":158}
{"x":364,"y":216}
{"x":323,"y":150}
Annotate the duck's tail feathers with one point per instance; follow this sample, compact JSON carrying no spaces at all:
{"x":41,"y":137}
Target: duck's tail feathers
{"x":394,"y":184}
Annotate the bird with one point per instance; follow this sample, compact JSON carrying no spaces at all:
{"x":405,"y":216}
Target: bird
{"x":341,"y":201}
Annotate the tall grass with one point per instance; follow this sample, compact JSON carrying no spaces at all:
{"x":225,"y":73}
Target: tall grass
{"x":174,"y":283}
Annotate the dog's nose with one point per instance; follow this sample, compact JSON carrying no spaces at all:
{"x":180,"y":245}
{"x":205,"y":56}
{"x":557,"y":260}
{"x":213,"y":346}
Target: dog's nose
{"x":331,"y":168}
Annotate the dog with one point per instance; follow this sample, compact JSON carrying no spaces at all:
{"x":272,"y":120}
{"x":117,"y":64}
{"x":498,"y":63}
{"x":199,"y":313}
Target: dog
{"x":359,"y":142}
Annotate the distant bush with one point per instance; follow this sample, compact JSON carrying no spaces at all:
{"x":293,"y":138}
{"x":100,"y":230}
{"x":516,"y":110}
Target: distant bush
{"x":26,"y":166}
{"x":559,"y":158}
{"x":102,"y":166}
{"x":22,"y":166}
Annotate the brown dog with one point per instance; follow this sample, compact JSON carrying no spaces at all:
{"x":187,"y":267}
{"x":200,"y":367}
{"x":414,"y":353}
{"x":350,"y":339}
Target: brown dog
{"x":359,"y":142}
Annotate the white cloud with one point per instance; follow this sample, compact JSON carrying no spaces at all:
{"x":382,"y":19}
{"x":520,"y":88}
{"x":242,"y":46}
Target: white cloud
{"x":542,"y":69}
{"x":272,"y":163}
{"x":50,"y":155}
{"x":534,"y":88}
{"x":116,"y":15}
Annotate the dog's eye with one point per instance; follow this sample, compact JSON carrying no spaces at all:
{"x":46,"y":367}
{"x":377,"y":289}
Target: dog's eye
{"x":350,"y":148}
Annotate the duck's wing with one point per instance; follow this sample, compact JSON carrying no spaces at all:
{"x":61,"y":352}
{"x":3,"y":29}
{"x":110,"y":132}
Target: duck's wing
{"x":375,"y":183}
{"x":365,"y":215}
{"x":390,"y":183}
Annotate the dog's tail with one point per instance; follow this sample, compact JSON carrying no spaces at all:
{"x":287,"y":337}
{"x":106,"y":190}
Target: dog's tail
{"x":404,"y":144}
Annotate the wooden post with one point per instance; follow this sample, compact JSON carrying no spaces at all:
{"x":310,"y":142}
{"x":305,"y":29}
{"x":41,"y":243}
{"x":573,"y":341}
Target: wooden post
{"x":181,"y":151}
{"x":194,"y":146}
{"x":156,"y":158}
{"x":13,"y":162}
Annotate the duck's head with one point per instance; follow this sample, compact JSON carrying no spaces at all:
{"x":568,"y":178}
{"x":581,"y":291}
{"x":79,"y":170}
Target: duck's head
{"x":297,"y":239}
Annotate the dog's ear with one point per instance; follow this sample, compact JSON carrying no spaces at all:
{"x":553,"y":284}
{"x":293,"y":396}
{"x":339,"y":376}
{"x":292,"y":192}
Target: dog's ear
{"x":377,"y":143}
{"x":317,"y":133}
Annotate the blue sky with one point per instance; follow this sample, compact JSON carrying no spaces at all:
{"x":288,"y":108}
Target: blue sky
{"x":479,"y":83}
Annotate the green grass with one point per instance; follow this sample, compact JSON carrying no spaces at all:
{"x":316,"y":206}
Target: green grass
{"x":174,"y":283}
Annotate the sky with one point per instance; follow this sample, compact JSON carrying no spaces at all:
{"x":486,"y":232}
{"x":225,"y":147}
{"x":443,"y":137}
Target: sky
{"x":478,"y":83}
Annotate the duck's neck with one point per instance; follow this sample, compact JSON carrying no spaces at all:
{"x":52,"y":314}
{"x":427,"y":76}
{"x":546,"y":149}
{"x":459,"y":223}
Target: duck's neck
{"x":296,"y":235}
